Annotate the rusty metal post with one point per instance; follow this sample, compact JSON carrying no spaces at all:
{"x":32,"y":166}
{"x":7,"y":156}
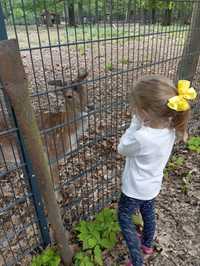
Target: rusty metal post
{"x":15,"y":85}
{"x":188,"y":64}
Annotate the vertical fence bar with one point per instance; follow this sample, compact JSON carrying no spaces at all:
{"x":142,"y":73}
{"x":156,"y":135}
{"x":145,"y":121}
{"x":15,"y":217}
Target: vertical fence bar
{"x":28,"y":172}
{"x":3,"y":33}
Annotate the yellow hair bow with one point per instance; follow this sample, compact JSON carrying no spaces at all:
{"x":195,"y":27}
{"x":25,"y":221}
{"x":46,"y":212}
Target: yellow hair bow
{"x":179,"y":103}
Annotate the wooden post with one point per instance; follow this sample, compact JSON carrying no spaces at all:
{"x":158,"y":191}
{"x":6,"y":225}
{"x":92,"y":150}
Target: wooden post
{"x":188,"y":64}
{"x":15,"y":85}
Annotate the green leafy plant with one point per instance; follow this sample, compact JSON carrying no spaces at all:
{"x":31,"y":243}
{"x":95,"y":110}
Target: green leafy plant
{"x":109,"y":67}
{"x":81,"y":259}
{"x":186,"y":182}
{"x":175,"y":163}
{"x":81,"y":50}
{"x":125,"y":61}
{"x":194,"y":144}
{"x":96,"y":236}
{"x":48,"y":257}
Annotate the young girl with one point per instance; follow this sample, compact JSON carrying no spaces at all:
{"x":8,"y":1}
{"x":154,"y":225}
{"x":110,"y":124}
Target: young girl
{"x":161,"y":112}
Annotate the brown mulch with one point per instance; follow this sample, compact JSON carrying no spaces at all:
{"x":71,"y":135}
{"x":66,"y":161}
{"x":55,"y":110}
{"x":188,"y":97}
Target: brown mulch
{"x":178,"y":211}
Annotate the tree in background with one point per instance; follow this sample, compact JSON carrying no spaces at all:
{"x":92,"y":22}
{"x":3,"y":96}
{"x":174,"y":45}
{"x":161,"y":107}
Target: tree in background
{"x":71,"y":13}
{"x":168,"y":7}
{"x":80,"y":11}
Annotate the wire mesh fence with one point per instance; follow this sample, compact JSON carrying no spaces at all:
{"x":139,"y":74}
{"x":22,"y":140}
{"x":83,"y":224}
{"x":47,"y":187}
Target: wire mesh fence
{"x":80,"y":57}
{"x":19,"y":232}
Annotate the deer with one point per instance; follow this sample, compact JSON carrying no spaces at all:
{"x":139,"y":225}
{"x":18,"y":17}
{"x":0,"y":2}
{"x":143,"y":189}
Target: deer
{"x":60,"y":129}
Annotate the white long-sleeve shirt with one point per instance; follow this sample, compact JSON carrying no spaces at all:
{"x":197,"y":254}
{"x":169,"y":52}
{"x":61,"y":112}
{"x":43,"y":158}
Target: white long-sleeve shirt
{"x":147,"y":151}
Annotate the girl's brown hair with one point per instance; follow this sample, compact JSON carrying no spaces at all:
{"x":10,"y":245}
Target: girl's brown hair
{"x":151,"y":94}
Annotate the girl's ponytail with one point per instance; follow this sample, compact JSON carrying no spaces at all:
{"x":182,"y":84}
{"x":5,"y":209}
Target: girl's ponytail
{"x":164,"y":102}
{"x":179,"y":121}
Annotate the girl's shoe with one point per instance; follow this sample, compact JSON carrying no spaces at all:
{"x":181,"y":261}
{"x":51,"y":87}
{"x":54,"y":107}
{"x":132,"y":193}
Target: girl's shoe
{"x":147,"y":250}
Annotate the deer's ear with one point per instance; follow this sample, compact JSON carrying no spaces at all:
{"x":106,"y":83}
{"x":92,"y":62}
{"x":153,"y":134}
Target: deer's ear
{"x":82,"y":74}
{"x":56,"y":82}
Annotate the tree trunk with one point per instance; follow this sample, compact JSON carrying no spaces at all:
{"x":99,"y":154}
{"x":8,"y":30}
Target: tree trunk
{"x":145,"y":16}
{"x":57,"y":19}
{"x":189,"y":62}
{"x":96,"y":11}
{"x":6,"y":10}
{"x":153,"y":15}
{"x":167,"y":19}
{"x":80,"y":12}
{"x":15,"y":86}
{"x":48,"y":20}
{"x":71,"y":13}
{"x":128,"y":11}
{"x":110,"y":12}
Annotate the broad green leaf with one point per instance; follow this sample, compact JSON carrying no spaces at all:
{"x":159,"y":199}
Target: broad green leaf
{"x":194,"y":144}
{"x":55,"y":262}
{"x":91,"y":242}
{"x":106,"y":243}
{"x":98,"y":256}
{"x":34,"y":263}
{"x":79,"y":255}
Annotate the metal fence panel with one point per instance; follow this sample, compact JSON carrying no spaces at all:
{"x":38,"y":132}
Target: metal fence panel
{"x":81,"y":117}
{"x":19,"y":228}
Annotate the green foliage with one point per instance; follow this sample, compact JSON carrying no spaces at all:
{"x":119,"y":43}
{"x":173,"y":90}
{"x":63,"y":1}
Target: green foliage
{"x":83,"y":260}
{"x":48,"y":257}
{"x":175,"y":162}
{"x":82,"y":50}
{"x":124,"y":61}
{"x":109,"y":67}
{"x":93,"y":9}
{"x":96,"y":236}
{"x":194,"y":144}
{"x":156,"y":4}
{"x":186,"y":182}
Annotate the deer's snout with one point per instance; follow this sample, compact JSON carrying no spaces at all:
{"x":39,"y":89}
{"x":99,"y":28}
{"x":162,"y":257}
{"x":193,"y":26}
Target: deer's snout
{"x":69,"y":95}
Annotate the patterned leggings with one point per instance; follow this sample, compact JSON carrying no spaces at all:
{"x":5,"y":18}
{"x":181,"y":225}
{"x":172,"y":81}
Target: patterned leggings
{"x":127,"y":207}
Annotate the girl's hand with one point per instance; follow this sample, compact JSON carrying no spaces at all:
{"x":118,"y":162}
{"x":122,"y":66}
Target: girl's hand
{"x":185,"y":137}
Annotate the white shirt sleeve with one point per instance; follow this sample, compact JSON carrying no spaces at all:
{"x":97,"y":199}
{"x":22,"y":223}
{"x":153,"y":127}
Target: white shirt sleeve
{"x":129,"y":145}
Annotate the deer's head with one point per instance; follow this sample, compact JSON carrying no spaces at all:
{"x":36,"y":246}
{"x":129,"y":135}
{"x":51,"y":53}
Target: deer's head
{"x":74,"y":93}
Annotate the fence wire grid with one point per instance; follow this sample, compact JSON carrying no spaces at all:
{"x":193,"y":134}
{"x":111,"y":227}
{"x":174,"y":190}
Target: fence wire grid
{"x":81,"y":57}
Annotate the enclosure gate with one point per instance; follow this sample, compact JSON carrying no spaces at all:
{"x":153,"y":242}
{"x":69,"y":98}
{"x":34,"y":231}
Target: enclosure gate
{"x":80,"y":58}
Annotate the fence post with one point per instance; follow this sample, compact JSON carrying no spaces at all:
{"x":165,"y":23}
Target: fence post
{"x":15,"y":86}
{"x":28,"y":173}
{"x":3,"y":33}
{"x":188,"y":64}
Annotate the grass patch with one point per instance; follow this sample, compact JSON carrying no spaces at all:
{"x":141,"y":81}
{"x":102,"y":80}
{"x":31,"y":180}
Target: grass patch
{"x":125,"y":61}
{"x":86,"y":33}
{"x":109,"y":67}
